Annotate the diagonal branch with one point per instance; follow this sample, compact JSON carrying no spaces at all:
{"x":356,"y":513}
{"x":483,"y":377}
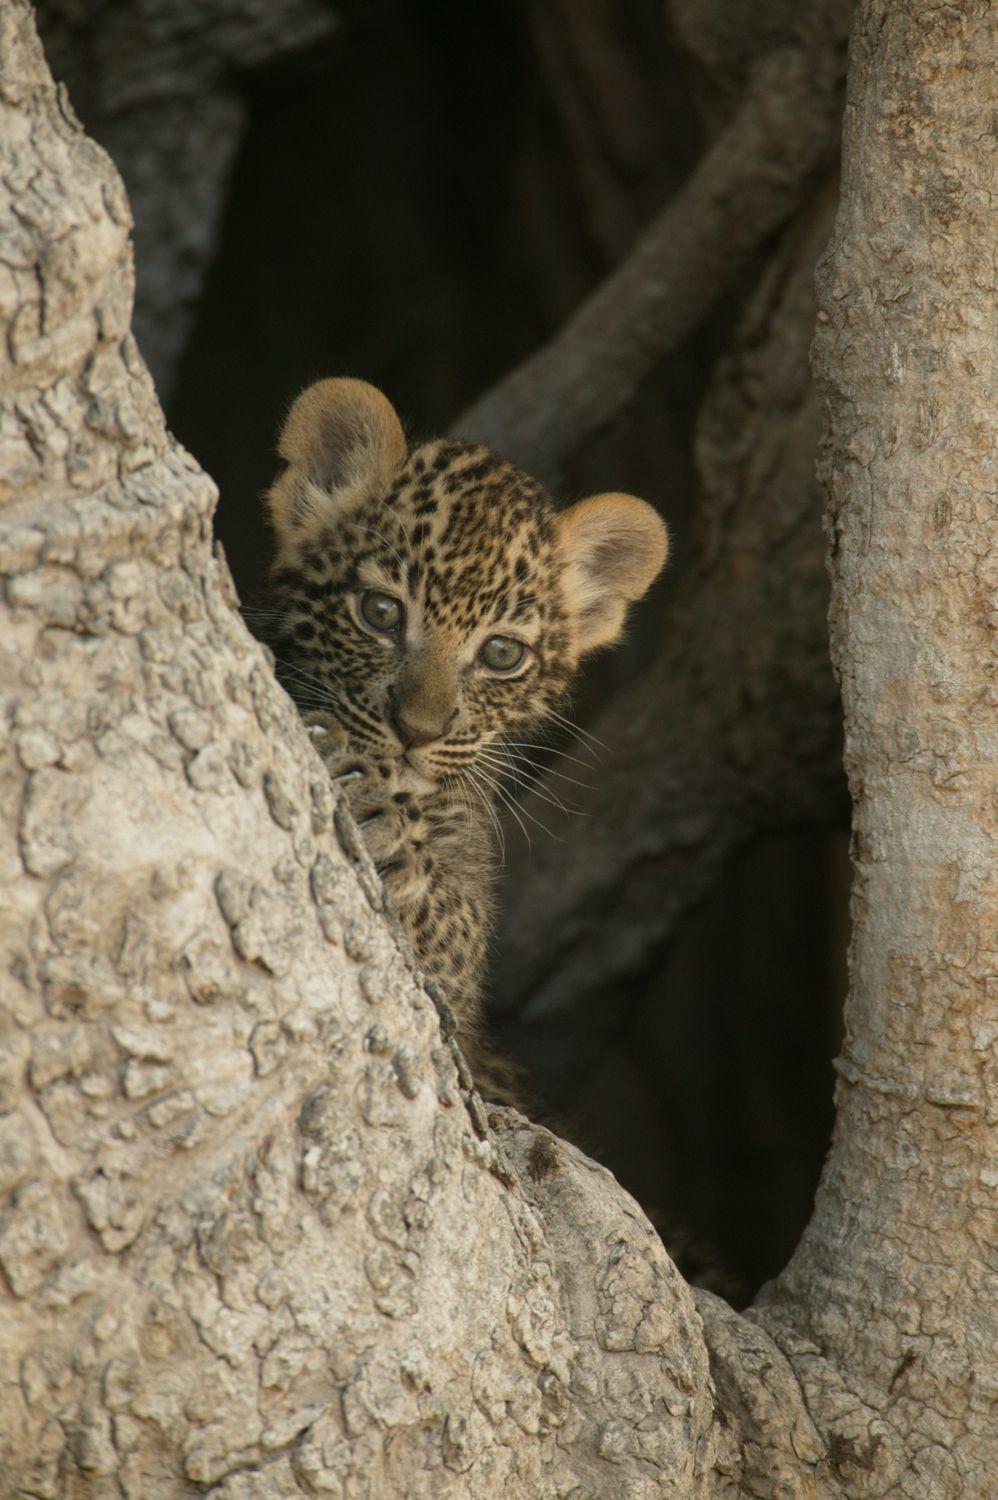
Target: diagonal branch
{"x":748,"y":183}
{"x":734,"y":729}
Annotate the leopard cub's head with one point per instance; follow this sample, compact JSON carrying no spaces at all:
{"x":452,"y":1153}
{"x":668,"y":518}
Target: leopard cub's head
{"x":433,"y":600}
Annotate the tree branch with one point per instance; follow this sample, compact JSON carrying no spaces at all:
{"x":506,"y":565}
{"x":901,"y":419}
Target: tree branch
{"x":748,"y":183}
{"x":735,"y":729}
{"x":255,"y":1238}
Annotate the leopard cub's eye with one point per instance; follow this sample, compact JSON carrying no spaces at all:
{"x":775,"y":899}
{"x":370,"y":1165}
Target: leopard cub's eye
{"x":500,"y":653}
{"x":380,"y":611}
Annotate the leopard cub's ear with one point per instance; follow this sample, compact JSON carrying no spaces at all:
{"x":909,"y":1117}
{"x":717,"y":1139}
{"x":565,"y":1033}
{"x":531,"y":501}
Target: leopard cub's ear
{"x":341,"y":441}
{"x":612,"y":547}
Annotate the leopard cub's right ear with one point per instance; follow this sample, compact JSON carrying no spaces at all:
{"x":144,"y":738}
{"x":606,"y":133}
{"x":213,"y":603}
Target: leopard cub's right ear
{"x":342,"y":440}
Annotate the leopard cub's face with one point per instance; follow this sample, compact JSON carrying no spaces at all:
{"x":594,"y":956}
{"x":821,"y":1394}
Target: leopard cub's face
{"x":434,"y":602}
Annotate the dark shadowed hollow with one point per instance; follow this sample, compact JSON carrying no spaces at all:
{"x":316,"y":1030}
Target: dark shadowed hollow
{"x":421,"y":194}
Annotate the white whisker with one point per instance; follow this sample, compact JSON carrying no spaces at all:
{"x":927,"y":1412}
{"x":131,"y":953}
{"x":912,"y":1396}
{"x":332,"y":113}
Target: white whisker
{"x":546,"y":771}
{"x":553,"y":749}
{"x":577,"y":729}
{"x":516,"y":809}
{"x":487,"y":804}
{"x":506,"y":800}
{"x":533,"y":784}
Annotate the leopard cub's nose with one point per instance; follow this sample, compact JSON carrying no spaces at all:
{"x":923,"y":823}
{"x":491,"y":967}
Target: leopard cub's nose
{"x":414,"y":735}
{"x":415,"y":728}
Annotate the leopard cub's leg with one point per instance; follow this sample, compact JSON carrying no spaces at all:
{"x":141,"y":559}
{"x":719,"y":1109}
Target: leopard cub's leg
{"x":436,"y":867}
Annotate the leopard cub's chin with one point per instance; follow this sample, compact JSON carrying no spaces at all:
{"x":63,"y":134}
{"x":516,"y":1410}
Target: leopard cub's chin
{"x":411,"y":779}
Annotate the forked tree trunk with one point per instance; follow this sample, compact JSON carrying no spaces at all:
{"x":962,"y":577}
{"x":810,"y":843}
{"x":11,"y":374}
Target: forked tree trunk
{"x":256,"y":1237}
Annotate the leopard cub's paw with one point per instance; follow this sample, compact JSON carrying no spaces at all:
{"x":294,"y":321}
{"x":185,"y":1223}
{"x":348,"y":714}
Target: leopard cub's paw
{"x":328,"y":737}
{"x":390,"y":821}
{"x":360,"y":781}
{"x":345,"y":765}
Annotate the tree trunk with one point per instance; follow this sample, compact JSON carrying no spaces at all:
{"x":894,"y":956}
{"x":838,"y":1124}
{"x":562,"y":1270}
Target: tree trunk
{"x":257,"y":1236}
{"x":890,"y":1284}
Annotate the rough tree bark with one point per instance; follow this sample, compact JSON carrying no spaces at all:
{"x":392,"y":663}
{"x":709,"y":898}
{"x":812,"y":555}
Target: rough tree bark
{"x":257,"y":1238}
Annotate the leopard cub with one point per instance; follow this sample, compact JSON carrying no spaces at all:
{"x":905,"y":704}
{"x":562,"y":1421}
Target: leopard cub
{"x":431,"y":605}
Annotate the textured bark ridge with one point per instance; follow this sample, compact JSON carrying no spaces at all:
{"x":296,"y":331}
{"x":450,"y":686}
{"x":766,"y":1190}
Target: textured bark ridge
{"x":257,"y":1236}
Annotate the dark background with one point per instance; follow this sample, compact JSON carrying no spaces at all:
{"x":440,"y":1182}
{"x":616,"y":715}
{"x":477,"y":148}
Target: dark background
{"x":420,"y":194}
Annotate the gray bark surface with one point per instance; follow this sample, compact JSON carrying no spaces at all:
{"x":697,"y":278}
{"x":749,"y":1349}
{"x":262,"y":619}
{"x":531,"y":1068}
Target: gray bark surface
{"x":257,"y":1236}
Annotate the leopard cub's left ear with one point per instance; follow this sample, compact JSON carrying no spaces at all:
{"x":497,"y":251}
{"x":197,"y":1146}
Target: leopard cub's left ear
{"x":613,"y":547}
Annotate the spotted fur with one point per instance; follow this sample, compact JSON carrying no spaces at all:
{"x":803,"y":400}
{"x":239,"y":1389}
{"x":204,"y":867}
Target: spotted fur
{"x":412,"y":723}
